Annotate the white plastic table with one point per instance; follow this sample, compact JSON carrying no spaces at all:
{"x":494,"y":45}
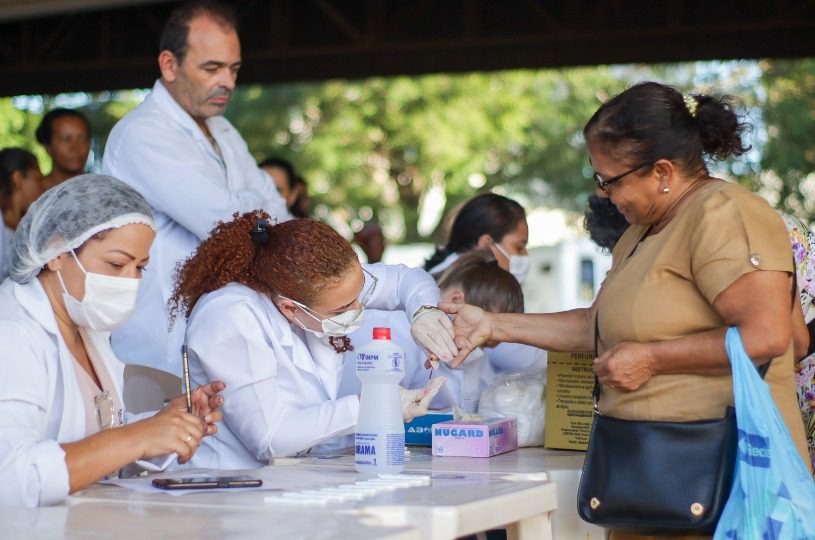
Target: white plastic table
{"x":563,"y":468}
{"x":83,"y":519}
{"x":453,"y":505}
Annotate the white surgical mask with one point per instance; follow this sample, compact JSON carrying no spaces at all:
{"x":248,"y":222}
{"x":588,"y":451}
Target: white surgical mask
{"x":518,"y":264}
{"x":343,"y":324}
{"x":108,"y":303}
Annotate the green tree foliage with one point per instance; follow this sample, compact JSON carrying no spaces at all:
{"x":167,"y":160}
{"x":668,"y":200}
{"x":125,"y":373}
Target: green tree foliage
{"x":788,"y":157}
{"x":18,"y":122}
{"x":384,"y":143}
{"x":387,"y":146}
{"x":17,"y":129}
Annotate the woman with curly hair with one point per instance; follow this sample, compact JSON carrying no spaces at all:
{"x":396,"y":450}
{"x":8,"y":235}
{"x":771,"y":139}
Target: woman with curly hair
{"x":269,"y":308}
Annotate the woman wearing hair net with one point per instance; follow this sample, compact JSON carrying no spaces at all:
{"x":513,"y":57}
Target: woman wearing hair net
{"x":77,"y":258}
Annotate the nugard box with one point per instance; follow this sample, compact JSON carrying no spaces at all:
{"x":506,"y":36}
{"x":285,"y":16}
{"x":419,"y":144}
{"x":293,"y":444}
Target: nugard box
{"x":484,"y":438}
{"x":569,"y":402}
{"x":418,"y":431}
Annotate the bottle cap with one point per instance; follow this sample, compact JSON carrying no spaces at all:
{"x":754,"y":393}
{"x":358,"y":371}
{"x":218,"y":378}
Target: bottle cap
{"x":382,"y":333}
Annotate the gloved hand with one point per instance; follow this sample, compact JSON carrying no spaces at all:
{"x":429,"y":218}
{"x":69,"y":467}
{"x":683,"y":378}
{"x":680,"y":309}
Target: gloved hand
{"x":415,"y":402}
{"x":433,"y":331}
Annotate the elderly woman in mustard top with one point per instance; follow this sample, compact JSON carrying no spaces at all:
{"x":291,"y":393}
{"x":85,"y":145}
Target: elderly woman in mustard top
{"x":701,"y":255}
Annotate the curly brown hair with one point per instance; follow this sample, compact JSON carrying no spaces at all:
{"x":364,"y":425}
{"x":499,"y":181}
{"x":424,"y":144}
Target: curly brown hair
{"x":297,"y":259}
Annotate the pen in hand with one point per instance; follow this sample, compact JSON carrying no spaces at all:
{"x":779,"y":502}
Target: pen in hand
{"x":187,"y":391}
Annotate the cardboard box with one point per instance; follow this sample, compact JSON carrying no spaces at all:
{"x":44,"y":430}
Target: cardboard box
{"x":475,"y":439}
{"x":569,"y":402}
{"x":418,"y":432}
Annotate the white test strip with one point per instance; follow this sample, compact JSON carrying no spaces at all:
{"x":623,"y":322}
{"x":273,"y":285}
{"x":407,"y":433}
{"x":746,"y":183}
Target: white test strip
{"x":277,"y":499}
{"x":348,"y":492}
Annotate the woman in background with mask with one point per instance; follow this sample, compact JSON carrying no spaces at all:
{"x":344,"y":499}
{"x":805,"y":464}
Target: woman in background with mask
{"x":497,"y":223}
{"x":77,"y":257}
{"x":269,"y":310}
{"x":487,"y":221}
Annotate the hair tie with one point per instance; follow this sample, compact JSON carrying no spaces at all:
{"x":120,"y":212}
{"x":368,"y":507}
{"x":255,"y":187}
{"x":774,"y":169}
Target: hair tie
{"x":690,"y":104}
{"x":260,"y":233}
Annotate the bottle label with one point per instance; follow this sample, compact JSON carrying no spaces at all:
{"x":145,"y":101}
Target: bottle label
{"x":395,"y":361}
{"x":396,"y":448}
{"x":365,"y":448}
{"x":369,"y":449}
{"x":370,"y":362}
{"x":366,"y":362}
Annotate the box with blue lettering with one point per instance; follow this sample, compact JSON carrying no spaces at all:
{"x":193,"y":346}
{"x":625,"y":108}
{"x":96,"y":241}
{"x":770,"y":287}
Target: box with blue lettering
{"x":418,"y":431}
{"x":479,"y":438}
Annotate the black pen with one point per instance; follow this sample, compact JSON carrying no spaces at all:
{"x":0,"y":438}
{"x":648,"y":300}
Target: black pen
{"x":187,"y":392}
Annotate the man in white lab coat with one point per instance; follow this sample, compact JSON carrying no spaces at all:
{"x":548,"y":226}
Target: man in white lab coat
{"x":189,"y":162}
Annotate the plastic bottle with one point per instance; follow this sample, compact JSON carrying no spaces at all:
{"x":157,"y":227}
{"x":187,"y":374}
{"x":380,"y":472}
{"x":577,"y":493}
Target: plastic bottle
{"x":380,"y":434}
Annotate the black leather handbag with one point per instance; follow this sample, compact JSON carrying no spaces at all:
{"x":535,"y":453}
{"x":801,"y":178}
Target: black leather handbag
{"x":658,"y":477}
{"x":652,"y":477}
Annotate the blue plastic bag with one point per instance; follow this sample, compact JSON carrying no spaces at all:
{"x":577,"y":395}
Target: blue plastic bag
{"x":773,"y":496}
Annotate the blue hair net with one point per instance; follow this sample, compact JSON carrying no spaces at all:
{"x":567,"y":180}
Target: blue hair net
{"x":67,"y":215}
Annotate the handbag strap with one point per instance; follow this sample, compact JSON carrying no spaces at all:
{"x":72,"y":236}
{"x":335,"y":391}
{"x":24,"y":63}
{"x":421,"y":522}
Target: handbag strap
{"x":596,"y":391}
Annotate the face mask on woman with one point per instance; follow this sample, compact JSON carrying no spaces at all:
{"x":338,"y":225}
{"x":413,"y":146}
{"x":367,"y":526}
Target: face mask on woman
{"x":108,"y":303}
{"x":343,"y":324}
{"x":518,"y":264}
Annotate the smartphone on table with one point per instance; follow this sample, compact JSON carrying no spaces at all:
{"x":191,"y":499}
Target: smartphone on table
{"x":207,"y":482}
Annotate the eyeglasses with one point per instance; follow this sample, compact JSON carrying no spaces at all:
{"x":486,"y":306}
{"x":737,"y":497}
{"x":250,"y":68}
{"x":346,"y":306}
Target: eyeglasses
{"x":365,"y":295}
{"x":368,"y":288}
{"x":603,"y":184}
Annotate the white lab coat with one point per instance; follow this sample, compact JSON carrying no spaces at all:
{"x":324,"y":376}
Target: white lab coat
{"x":281,"y":382}
{"x":40,"y":401}
{"x":160,"y":151}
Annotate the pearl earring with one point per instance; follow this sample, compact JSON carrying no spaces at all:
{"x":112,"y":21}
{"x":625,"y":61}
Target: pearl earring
{"x":666,"y":189}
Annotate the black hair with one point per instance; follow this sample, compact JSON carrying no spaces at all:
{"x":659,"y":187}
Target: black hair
{"x":300,"y":209}
{"x":604,"y":223}
{"x":488,"y":213}
{"x":45,"y":131}
{"x":652,"y":121}
{"x":280,"y":163}
{"x":177,"y":28}
{"x":13,"y":160}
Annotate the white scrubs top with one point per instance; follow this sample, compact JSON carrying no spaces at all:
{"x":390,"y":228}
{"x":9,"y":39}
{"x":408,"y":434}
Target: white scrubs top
{"x":41,"y":403}
{"x":160,"y":151}
{"x":281,"y":382}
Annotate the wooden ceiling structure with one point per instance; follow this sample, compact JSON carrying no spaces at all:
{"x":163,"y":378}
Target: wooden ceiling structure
{"x":50,"y":46}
